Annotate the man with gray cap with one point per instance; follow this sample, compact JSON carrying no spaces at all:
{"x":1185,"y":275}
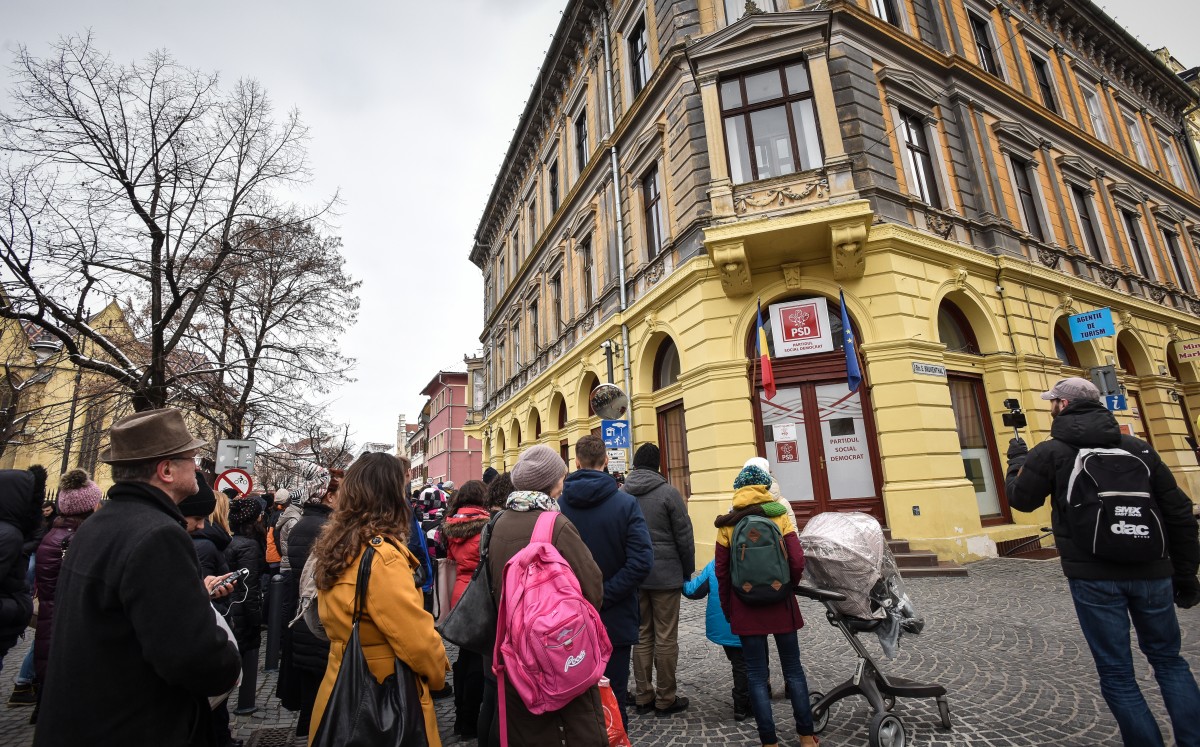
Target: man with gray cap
{"x":133,"y":626}
{"x":1109,"y":590}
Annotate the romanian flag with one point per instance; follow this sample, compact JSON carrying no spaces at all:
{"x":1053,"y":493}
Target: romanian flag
{"x":764,"y":356}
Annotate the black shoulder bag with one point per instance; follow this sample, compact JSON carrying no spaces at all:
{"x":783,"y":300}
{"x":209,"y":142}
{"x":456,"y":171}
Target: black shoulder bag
{"x":362,"y":712}
{"x":471,"y":624}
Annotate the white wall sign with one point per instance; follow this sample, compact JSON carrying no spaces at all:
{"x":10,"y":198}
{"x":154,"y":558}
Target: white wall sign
{"x":801,"y":327}
{"x":928,"y":369}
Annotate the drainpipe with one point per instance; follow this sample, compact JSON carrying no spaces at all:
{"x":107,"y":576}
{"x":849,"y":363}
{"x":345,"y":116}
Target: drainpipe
{"x":616,"y":177}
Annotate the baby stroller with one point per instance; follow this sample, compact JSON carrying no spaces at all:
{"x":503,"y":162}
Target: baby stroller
{"x":855,"y":577}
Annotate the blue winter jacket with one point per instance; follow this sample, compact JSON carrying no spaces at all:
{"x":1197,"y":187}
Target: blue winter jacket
{"x":613,"y":528}
{"x":716,"y":627}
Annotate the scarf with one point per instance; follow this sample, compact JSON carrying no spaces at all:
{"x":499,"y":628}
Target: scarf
{"x":530,"y":500}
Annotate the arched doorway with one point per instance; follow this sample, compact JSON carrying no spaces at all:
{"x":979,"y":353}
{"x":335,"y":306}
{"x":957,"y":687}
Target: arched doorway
{"x":671,"y":421}
{"x":968,"y":400}
{"x":1134,"y":361}
{"x":817,"y":435}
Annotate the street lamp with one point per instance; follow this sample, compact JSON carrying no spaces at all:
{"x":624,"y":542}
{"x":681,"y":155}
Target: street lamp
{"x":610,"y":349}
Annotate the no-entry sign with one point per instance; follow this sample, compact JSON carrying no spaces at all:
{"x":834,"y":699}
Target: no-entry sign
{"x":238,"y":479}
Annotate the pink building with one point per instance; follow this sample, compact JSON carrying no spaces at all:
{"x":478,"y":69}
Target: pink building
{"x":449,"y":454}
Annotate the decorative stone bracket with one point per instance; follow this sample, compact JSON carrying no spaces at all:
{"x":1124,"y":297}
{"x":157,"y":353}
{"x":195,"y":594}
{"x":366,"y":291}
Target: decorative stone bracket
{"x":731,"y":261}
{"x":847,"y":241}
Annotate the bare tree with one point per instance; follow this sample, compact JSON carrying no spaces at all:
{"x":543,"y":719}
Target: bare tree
{"x":269,"y":326}
{"x":296,"y":465}
{"x":117,"y":181}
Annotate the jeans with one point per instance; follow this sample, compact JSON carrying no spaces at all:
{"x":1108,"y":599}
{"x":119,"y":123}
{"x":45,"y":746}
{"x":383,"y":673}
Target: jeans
{"x":617,"y":672}
{"x":754,"y":649}
{"x":1104,"y":609}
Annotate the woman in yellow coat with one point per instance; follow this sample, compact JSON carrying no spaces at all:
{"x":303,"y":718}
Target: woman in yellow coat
{"x":372,"y":509}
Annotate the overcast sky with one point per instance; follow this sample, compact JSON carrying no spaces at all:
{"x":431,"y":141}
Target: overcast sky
{"x":411,"y":104}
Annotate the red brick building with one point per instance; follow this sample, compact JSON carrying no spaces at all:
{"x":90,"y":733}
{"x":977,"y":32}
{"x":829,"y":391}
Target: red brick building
{"x":449,"y":454}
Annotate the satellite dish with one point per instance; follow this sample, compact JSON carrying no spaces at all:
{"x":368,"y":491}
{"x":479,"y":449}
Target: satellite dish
{"x":609,"y":402}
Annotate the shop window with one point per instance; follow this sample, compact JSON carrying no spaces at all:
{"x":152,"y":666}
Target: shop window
{"x":1064,"y":349}
{"x":770,"y":123}
{"x":955,"y":331}
{"x":672,"y":437}
{"x":666,"y":365}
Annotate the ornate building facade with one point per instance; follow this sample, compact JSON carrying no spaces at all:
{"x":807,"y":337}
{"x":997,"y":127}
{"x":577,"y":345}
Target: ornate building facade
{"x":968,"y":173}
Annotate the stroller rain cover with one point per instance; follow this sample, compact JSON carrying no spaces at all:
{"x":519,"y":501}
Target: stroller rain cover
{"x":847,"y":553}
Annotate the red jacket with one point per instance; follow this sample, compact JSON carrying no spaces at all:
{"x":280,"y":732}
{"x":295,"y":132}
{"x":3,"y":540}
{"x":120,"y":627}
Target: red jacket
{"x":462,"y":539}
{"x":745,"y":619}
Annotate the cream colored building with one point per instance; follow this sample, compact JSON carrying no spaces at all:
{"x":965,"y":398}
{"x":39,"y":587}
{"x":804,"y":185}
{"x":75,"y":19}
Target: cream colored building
{"x":968,"y":173}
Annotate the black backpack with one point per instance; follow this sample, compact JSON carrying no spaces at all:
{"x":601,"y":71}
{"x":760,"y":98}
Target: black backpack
{"x":1111,"y":509}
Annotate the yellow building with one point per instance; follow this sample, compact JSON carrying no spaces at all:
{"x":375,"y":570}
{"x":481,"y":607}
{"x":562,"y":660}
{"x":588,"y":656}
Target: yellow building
{"x":968,"y":174}
{"x":62,"y":414}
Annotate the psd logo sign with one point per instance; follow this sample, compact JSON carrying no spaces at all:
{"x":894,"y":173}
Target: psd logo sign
{"x":801,"y":327}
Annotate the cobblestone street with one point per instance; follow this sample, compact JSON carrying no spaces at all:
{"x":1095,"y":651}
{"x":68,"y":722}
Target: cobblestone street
{"x":1004,"y":642}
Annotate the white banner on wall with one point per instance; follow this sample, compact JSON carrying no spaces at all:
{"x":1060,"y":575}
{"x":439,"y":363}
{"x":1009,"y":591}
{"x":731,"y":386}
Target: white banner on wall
{"x":801,"y":327}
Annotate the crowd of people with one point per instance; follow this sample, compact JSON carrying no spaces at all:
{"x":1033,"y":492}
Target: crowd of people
{"x":151,"y":600}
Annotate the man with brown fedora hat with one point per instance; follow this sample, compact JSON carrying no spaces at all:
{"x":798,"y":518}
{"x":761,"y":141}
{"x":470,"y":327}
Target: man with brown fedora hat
{"x":134,"y":627}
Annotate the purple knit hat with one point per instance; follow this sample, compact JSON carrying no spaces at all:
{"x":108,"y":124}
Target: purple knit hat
{"x":77,"y":494}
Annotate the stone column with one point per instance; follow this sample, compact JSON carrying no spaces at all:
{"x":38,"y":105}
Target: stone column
{"x":837,"y":163}
{"x":720,"y":190}
{"x":1069,"y":82}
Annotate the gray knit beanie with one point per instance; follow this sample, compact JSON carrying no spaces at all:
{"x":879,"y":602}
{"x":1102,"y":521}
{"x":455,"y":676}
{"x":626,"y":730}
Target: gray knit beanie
{"x":539,"y":468}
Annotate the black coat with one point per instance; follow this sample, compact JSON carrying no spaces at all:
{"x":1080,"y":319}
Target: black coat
{"x":1046,"y":470}
{"x":210,"y":543}
{"x":614,"y":530}
{"x":20,"y":512}
{"x":134,"y":630}
{"x":670,"y":529}
{"x":308,"y":652}
{"x":245,"y":602}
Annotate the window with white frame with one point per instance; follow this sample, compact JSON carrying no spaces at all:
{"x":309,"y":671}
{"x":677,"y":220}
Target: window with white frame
{"x":501,"y":367}
{"x":639,"y":56}
{"x":1041,"y":74}
{"x":582,"y":151}
{"x":1175,"y":252}
{"x":652,"y":211}
{"x":556,"y":302}
{"x":1022,"y":171}
{"x":533,"y":224}
{"x":985,"y":46}
{"x":918,"y":158}
{"x":1085,"y":212}
{"x":585,"y":271}
{"x":1095,"y":114}
{"x":517,"y":353}
{"x":534,"y":337}
{"x":886,"y":10}
{"x":501,"y":278}
{"x":1135,"y":138}
{"x":770,"y":123}
{"x":1173,"y":165}
{"x":1137,"y":247}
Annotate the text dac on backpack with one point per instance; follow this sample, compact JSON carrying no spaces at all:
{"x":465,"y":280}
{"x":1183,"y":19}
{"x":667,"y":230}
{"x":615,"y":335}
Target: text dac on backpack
{"x":1111,"y":509}
{"x":550,"y":641}
{"x":758,"y":562}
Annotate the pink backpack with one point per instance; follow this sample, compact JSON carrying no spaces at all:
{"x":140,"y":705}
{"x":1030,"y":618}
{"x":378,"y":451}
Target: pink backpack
{"x":549,"y":639}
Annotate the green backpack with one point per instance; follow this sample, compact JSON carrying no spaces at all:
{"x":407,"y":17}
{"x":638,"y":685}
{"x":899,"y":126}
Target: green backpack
{"x":758,"y":562}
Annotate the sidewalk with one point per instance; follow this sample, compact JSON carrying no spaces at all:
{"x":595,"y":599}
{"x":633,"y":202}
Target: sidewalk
{"x":1003,"y":641}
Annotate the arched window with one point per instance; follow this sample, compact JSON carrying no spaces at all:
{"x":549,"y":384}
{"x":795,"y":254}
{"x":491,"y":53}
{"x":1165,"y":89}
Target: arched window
{"x":955,"y":331}
{"x":1064,"y":349}
{"x":562,"y":414}
{"x":666,"y":364}
{"x":516,"y":435}
{"x":1125,"y":360}
{"x":537,"y":426}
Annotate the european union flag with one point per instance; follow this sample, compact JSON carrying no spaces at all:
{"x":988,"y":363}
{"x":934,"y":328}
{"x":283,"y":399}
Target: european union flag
{"x":853,"y":373}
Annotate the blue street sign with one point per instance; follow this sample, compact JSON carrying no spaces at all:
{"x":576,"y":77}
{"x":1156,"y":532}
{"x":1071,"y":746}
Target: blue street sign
{"x":615,"y":433}
{"x":1115,"y":402}
{"x":1092,"y":324}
